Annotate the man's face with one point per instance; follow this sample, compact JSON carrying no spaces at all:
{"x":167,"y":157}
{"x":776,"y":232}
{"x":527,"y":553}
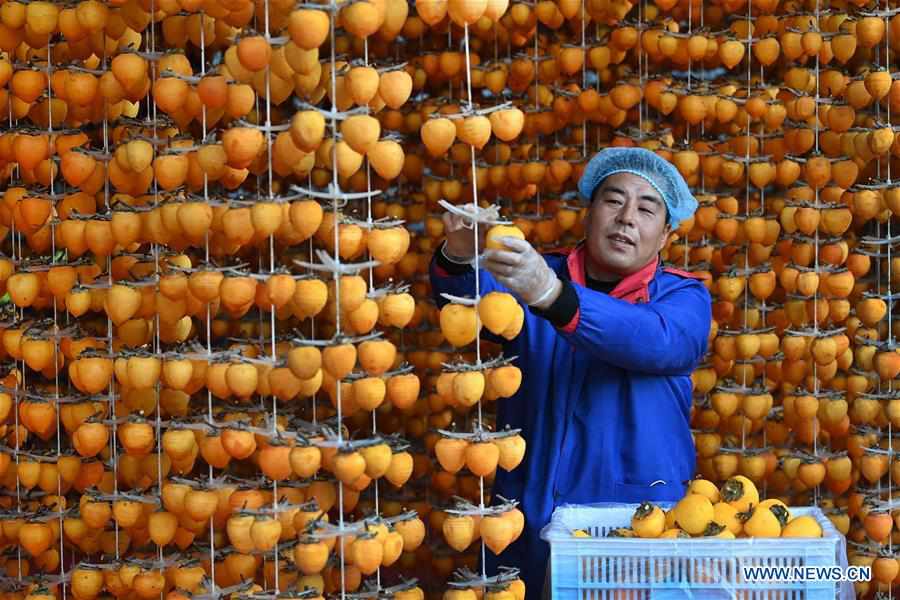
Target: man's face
{"x":626,"y":225}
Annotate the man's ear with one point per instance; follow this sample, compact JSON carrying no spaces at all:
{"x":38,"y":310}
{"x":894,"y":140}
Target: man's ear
{"x":667,"y":234}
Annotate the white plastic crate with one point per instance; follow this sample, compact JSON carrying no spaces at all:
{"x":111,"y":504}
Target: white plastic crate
{"x":602,"y":568}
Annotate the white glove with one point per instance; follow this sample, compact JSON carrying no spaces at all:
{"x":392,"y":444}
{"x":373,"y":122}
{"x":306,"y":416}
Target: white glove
{"x":524,"y":272}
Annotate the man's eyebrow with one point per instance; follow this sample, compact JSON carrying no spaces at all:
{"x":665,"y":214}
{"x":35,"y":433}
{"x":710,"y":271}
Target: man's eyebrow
{"x":618,"y":190}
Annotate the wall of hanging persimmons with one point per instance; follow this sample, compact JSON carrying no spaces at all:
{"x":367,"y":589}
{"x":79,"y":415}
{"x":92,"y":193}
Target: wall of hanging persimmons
{"x":223,"y":371}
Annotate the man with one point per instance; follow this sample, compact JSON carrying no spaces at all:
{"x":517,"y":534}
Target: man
{"x":607,"y":349}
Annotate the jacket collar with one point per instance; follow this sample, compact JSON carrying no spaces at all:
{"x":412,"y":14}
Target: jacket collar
{"x":633,"y":288}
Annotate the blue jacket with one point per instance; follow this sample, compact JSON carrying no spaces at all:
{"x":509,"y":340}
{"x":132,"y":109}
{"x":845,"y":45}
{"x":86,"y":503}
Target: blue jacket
{"x":605,"y":400}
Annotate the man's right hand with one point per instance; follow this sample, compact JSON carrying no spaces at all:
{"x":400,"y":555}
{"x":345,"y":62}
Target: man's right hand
{"x":460,"y":233}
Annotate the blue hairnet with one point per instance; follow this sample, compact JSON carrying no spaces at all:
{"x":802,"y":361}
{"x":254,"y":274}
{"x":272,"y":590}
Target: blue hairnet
{"x":660,"y":173}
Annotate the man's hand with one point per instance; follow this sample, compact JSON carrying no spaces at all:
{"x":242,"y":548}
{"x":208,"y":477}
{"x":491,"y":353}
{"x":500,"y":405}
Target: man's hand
{"x":524,"y":272}
{"x":460,"y":233}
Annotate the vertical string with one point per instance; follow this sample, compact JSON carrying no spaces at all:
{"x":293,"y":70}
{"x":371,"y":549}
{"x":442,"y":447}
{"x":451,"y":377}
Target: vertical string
{"x":156,"y":272}
{"x":268,"y":134}
{"x":312,"y":320}
{"x":369,"y":224}
{"x":109,"y":327}
{"x":337,"y":284}
{"x":746,"y":326}
{"x":20,"y":381}
{"x":584,"y":60}
{"x":890,"y":312}
{"x":478,"y":363}
{"x":18,"y":315}
{"x":209,"y":400}
{"x":642,"y":104}
{"x":20,"y":388}
{"x":687,"y":124}
{"x":56,"y":398}
{"x":815,"y":367}
{"x":157,"y":351}
{"x":762,"y":303}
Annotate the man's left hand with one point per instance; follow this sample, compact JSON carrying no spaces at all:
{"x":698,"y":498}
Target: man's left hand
{"x":524,"y":272}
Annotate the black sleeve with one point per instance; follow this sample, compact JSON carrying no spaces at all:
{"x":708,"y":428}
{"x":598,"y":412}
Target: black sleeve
{"x":561,"y":312}
{"x":450,"y":267}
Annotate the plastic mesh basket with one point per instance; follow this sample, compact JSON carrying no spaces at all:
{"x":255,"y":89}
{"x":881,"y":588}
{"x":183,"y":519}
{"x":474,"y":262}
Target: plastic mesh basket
{"x":601,"y":568}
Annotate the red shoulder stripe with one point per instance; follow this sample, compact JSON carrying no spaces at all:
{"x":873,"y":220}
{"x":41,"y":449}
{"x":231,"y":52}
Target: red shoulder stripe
{"x":687,"y":274}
